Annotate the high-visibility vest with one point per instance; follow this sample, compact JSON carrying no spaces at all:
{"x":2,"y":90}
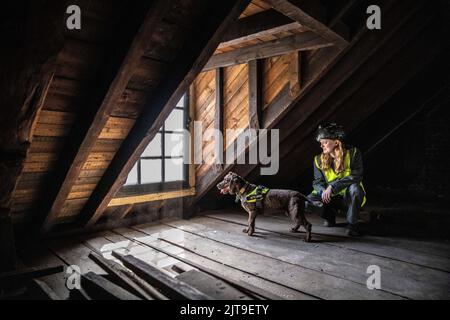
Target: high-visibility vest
{"x":331,"y":176}
{"x":256,"y":194}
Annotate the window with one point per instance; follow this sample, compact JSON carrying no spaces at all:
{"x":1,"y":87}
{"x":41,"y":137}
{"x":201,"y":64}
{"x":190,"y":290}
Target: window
{"x":161,"y":166}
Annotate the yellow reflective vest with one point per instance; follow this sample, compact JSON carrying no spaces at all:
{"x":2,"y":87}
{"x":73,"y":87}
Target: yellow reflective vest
{"x":330,"y":175}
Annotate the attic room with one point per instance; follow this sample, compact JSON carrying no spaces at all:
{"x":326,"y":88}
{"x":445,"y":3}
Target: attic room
{"x":140,"y":139}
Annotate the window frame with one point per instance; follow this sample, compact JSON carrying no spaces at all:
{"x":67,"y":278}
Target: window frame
{"x":163,"y":186}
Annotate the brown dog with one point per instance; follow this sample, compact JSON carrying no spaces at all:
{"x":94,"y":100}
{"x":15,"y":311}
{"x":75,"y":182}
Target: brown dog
{"x":255,"y":199}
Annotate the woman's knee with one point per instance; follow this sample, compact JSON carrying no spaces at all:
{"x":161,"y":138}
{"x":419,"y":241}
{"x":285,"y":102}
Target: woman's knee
{"x":355,"y":190}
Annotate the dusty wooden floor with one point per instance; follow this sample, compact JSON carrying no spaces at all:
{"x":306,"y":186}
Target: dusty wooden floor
{"x":332,"y":267}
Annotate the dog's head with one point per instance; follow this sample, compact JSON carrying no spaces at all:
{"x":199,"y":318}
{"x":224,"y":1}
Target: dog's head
{"x":230,"y":184}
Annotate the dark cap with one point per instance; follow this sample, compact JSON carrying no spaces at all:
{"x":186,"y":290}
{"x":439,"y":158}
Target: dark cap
{"x":330,"y":131}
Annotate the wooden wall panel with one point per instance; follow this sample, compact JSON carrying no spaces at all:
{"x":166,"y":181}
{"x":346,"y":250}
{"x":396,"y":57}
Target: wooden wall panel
{"x":275,"y":76}
{"x":204,"y":98}
{"x":236,"y":103}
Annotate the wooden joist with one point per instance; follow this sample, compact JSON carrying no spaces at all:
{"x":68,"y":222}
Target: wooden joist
{"x":311,"y":16}
{"x":183,"y":71}
{"x":28,"y":274}
{"x":126,"y":279}
{"x":170,"y":287}
{"x":249,"y":289}
{"x":300,"y":42}
{"x":99,"y":288}
{"x":114,"y":78}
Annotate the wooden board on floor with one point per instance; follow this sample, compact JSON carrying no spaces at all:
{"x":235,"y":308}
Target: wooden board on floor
{"x":149,"y":233}
{"x":107,"y":242}
{"x":212,"y":286}
{"x":412,"y":251}
{"x":308,"y":281}
{"x":399,"y":278}
{"x":40,"y":256}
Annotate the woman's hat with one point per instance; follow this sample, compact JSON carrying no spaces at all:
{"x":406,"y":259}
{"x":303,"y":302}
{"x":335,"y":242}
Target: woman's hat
{"x":330,"y":131}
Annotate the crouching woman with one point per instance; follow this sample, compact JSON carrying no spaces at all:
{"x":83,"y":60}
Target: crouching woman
{"x":338,"y":175}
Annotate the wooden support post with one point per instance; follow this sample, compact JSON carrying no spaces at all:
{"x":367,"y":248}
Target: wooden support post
{"x":192,"y":117}
{"x":295,"y":74}
{"x":255,"y":93}
{"x":219,"y":119}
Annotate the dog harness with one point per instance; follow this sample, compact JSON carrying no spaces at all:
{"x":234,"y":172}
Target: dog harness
{"x":255,"y":196}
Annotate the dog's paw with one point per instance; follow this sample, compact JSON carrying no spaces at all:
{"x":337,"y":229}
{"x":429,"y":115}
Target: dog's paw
{"x":294,"y":230}
{"x":250,"y":232}
{"x":245,"y":230}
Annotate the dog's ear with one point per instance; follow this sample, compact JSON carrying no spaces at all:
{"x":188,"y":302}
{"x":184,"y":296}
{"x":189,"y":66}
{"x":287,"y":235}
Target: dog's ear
{"x":237,"y":180}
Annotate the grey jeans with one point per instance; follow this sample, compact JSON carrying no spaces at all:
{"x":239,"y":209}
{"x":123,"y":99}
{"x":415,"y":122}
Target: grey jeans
{"x":351,"y":203}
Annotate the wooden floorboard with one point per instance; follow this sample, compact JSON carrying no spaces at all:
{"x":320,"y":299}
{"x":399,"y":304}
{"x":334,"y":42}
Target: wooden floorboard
{"x":311,"y":282}
{"x":412,"y":251}
{"x":332,"y":267}
{"x":399,"y":278}
{"x":109,"y":241}
{"x":150,"y":233}
{"x":41,"y":257}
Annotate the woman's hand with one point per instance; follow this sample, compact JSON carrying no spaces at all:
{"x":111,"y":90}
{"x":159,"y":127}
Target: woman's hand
{"x":326,"y":195}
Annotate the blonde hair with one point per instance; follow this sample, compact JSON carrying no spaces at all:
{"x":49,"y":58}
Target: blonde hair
{"x":338,"y":161}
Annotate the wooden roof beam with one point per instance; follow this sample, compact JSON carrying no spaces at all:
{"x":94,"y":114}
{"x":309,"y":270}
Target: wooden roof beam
{"x":300,"y":42}
{"x":261,"y":24}
{"x":310,"y":15}
{"x":187,"y":65}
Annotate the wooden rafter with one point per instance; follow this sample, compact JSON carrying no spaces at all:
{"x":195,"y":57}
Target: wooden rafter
{"x":114,"y":79}
{"x":261,"y":24}
{"x":188,"y":64}
{"x":300,"y":42}
{"x":309,"y":15}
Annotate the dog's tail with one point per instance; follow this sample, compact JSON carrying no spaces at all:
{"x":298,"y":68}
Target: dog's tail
{"x":307,"y":199}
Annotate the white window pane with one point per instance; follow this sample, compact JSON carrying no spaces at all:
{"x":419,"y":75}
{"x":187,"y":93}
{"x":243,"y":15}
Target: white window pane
{"x":175,"y":120}
{"x":181,"y":102}
{"x":173,"y":145}
{"x":150,"y":171}
{"x":132,"y":176}
{"x":154,"y":148}
{"x":174,"y":170}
